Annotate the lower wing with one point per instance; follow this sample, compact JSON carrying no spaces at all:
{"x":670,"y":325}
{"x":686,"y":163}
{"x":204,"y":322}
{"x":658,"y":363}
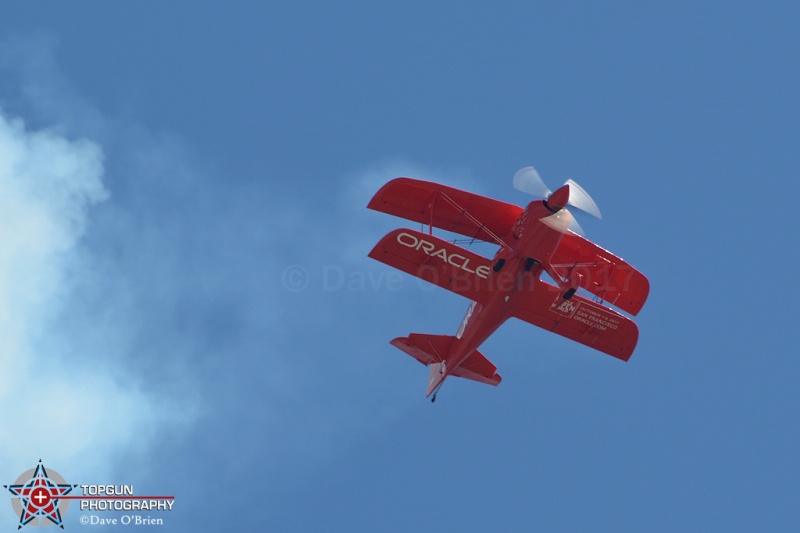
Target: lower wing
{"x":579,"y":319}
{"x":436,"y":261}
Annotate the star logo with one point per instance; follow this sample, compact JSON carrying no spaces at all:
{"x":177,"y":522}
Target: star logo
{"x":37,"y":495}
{"x":564,"y":307}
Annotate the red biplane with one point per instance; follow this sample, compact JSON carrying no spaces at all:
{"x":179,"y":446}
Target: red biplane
{"x":537,"y":239}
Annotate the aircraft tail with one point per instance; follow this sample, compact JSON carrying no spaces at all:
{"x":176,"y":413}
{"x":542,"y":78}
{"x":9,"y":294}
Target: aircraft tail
{"x":432,"y":351}
{"x":436,"y":377}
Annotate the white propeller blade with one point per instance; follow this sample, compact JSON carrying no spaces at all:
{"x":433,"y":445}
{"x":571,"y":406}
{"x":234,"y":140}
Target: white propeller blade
{"x":562,"y":222}
{"x":581,"y":199}
{"x":528,"y":180}
{"x":575,"y":227}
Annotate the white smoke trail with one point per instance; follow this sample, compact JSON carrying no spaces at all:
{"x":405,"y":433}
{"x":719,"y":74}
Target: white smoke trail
{"x":72,"y":413}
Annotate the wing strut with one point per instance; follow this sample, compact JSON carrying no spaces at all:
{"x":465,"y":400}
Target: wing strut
{"x":481,"y":226}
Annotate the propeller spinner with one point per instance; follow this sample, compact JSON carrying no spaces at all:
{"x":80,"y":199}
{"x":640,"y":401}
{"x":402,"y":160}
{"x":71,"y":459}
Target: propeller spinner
{"x":528,"y":180}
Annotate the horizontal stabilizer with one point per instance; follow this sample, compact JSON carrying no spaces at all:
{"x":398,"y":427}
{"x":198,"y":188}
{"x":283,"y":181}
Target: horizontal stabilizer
{"x":427,"y":349}
{"x":432,"y":350}
{"x":478,"y":368}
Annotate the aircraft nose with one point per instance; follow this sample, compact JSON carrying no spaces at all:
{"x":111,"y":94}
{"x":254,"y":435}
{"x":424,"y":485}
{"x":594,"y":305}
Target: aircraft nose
{"x":558,"y":199}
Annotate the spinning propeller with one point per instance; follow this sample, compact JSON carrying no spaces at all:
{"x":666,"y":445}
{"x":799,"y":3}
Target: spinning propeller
{"x":528,"y":180}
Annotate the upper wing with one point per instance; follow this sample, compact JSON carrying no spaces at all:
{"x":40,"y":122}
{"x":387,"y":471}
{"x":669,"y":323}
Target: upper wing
{"x":603,"y":273}
{"x":579,"y":319}
{"x":436,"y":261}
{"x":447,"y":208}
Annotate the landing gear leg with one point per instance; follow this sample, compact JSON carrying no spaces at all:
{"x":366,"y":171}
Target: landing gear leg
{"x":529,"y":262}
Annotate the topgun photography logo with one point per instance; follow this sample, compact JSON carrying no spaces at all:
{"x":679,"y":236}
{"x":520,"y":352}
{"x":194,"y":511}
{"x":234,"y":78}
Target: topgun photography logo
{"x":37,"y":497}
{"x":41,"y":497}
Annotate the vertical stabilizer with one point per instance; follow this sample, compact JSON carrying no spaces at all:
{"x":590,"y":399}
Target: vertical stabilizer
{"x":436,"y":377}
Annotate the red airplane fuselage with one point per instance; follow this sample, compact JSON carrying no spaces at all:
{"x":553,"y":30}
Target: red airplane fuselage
{"x":517,"y":269}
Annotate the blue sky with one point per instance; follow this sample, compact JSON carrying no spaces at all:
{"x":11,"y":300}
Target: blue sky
{"x":171,"y":162}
